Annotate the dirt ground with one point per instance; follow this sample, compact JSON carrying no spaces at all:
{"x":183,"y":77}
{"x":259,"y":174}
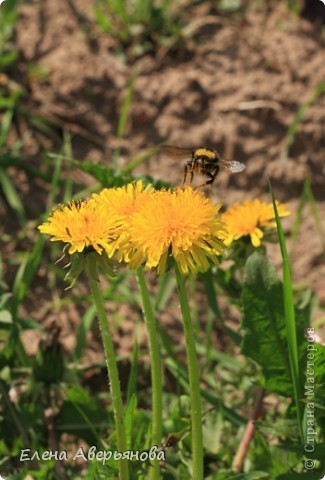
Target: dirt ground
{"x":236,"y":85}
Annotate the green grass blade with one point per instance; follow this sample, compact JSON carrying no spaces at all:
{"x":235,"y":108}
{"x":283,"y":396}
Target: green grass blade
{"x":12,"y":197}
{"x":140,"y":159}
{"x":69,"y":185}
{"x":132,"y":381}
{"x":84,"y":327}
{"x":129,"y":419}
{"x":292,"y":130}
{"x":307,"y":197}
{"x":289,"y":318}
{"x":298,"y":220}
{"x":314,"y":210}
{"x":166,"y":288}
{"x":5,"y":126}
{"x":125,"y":108}
{"x":124,"y":117}
{"x":25,"y":274}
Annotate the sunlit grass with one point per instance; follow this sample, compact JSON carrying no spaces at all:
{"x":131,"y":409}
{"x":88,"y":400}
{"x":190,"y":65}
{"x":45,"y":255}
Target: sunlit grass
{"x":290,"y":320}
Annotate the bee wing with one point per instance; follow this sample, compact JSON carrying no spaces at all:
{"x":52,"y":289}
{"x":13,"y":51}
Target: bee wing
{"x":176,"y":152}
{"x":232,"y":165}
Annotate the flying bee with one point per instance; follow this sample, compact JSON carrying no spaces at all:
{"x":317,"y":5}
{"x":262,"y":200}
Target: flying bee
{"x":204,"y":161}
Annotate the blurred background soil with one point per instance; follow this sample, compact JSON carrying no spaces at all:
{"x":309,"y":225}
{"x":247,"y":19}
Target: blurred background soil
{"x":235,"y":84}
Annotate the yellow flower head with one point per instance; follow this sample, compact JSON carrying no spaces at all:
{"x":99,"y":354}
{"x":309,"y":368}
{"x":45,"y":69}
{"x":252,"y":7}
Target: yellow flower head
{"x":182,"y":224}
{"x":124,"y":202}
{"x":82,"y":225}
{"x":249,"y":217}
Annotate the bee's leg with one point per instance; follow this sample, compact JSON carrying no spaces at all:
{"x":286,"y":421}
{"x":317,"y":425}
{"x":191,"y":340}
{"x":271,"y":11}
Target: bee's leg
{"x":212,"y":176}
{"x":199,"y":186}
{"x":188,"y":169}
{"x":185,"y":173}
{"x":211,"y":179}
{"x":191,"y":169}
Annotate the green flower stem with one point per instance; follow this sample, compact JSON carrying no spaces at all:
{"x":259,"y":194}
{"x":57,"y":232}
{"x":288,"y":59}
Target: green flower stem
{"x":194,"y":377}
{"x":113,"y":377}
{"x":156,"y":373}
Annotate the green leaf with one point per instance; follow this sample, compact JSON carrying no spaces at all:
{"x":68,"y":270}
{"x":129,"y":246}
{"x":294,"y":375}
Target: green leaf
{"x":108,"y":177}
{"x":270,"y":458}
{"x":263,"y":321}
{"x":5,"y":317}
{"x":82,"y":416}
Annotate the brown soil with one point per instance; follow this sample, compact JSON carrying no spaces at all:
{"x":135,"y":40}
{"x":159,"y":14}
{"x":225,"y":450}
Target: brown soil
{"x":236,"y":85}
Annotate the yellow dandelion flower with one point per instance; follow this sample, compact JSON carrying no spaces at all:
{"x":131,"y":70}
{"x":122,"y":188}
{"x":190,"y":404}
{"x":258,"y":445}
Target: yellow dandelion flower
{"x":123,"y":201}
{"x":83,"y":225}
{"x":182,"y":224}
{"x":249,"y":218}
